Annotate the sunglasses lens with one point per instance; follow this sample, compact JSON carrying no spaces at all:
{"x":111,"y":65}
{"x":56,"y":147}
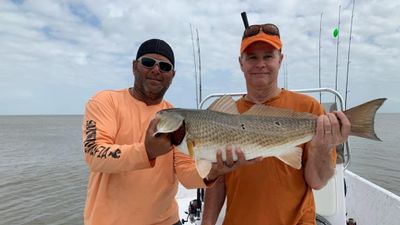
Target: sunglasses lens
{"x":251,"y":31}
{"x":148,"y":62}
{"x":270,"y":29}
{"x":165,"y":67}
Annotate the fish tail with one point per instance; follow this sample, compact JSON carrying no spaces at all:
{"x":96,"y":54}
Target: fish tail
{"x":362,"y":119}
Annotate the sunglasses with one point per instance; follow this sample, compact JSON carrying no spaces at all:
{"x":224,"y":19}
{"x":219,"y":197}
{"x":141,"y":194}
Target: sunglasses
{"x":149,"y":63}
{"x":267,"y":28}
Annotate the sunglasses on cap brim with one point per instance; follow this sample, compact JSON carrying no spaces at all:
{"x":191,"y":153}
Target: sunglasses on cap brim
{"x":267,"y":28}
{"x":149,"y":63}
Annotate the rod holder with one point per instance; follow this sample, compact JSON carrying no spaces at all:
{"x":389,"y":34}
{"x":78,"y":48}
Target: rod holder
{"x":245,"y":21}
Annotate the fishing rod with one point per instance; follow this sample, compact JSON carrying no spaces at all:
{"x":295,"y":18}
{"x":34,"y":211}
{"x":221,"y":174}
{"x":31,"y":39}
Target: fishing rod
{"x":348,"y":57}
{"x":195,"y":69}
{"x":337,"y":54}
{"x":199,"y":58}
{"x":195,"y":206}
{"x":319,"y":59}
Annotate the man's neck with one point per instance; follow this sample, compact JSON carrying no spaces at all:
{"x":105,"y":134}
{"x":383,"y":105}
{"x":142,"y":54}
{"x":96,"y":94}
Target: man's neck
{"x":143,"y":98}
{"x":259,"y":96}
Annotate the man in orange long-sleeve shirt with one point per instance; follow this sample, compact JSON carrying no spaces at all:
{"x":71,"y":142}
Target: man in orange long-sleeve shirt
{"x":134,"y":174}
{"x":271,"y":192}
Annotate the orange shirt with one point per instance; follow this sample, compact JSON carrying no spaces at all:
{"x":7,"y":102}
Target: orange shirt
{"x":271,"y":192}
{"x":124,"y":187}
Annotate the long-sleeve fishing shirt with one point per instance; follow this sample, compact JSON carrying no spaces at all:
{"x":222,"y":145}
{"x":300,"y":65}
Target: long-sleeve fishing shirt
{"x":124,"y":186}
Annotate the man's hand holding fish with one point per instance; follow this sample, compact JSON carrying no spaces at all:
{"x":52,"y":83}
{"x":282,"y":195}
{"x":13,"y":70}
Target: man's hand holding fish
{"x":329,"y":133}
{"x":222,"y":167}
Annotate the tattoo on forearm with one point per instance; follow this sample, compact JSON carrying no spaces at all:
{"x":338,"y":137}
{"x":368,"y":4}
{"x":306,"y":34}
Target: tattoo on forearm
{"x":91,"y":148}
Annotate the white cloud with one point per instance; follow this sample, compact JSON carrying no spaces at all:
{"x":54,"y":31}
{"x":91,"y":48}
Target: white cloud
{"x":53,"y":54}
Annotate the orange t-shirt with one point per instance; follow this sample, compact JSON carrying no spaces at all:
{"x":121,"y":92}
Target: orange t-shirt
{"x":271,"y":192}
{"x":124,"y":187}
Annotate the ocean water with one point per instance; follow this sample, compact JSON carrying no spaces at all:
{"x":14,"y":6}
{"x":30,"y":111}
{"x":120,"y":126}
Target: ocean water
{"x":43,"y":176}
{"x":376,"y":161}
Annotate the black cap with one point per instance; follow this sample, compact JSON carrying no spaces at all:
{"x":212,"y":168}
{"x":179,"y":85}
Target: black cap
{"x":156,"y":46}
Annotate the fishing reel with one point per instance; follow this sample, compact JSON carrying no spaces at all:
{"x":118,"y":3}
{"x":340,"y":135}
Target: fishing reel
{"x":195,"y":208}
{"x":193,"y":213}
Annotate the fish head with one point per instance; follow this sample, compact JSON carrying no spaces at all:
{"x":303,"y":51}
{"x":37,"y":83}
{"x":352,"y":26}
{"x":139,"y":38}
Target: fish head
{"x":170,"y":121}
{"x":173,"y":123}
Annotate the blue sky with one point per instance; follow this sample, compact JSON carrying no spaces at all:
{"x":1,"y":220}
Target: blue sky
{"x":56,"y":54}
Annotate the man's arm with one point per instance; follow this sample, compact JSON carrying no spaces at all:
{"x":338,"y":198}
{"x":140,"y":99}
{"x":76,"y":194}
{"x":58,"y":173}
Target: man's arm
{"x":213,"y":201}
{"x":215,"y":195}
{"x":102,"y":154}
{"x":185,"y":170}
{"x":320,"y":167}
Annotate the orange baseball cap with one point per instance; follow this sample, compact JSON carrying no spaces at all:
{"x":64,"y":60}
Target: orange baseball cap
{"x":273,"y":40}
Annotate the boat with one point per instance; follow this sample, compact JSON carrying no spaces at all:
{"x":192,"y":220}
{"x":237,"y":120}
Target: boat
{"x":346,"y":199}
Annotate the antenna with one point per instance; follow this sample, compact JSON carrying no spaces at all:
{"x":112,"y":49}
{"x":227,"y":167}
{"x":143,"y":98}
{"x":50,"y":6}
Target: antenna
{"x":348,"y":56}
{"x":245,"y":21}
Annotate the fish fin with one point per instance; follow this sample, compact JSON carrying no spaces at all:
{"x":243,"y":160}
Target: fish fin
{"x":170,"y":124}
{"x":292,"y":157}
{"x":186,"y":147}
{"x":225,"y":104}
{"x":203,"y":167}
{"x":263,"y":110}
{"x":190,"y":146}
{"x":362,"y":119}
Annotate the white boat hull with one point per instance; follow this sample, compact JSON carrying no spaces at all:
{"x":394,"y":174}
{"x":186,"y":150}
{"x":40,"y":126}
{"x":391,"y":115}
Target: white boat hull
{"x":370,"y":204}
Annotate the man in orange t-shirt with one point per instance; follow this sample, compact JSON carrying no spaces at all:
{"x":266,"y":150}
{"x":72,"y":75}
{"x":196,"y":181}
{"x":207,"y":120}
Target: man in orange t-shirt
{"x":271,"y":192}
{"x":133,"y":173}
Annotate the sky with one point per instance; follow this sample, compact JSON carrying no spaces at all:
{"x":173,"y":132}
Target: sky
{"x":55,"y":55}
